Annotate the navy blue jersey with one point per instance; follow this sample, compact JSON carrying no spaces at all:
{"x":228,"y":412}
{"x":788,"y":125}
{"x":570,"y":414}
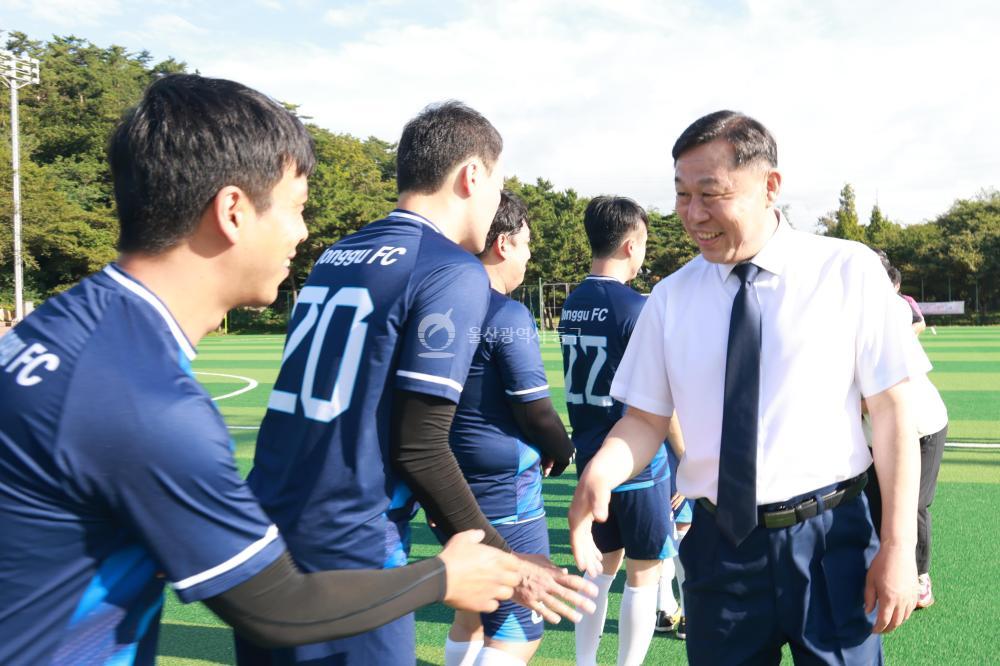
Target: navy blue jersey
{"x":389,"y":307}
{"x":116,"y":476}
{"x":503,"y":470}
{"x":595,"y":327}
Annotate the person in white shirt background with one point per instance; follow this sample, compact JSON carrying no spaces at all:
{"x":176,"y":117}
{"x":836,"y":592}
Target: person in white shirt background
{"x":931,"y":420}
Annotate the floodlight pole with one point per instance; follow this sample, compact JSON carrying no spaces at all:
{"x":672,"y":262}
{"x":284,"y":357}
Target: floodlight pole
{"x":17,"y":72}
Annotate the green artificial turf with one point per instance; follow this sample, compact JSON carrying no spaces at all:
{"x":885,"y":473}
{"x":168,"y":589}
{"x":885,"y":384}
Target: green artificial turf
{"x":960,"y":629}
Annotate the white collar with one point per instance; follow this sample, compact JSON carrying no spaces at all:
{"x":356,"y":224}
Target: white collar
{"x":136,"y":288}
{"x":773,"y":257}
{"x":399,"y":213}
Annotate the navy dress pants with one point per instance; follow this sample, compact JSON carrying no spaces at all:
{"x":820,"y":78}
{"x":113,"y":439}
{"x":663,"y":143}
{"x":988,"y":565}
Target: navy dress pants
{"x":802,"y":585}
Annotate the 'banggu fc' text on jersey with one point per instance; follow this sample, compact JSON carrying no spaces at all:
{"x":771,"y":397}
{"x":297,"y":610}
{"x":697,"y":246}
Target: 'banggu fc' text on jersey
{"x":503,"y":470}
{"x":116,"y":476}
{"x":594,"y":329}
{"x":389,"y":307}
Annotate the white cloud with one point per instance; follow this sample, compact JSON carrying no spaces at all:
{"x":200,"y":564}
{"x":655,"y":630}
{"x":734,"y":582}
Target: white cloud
{"x":273,"y":5}
{"x":345,"y":17}
{"x":69,"y":13}
{"x":893,"y":97}
{"x":172,"y":24}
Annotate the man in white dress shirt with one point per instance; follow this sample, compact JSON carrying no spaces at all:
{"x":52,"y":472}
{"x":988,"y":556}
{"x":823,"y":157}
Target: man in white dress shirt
{"x":765,"y":345}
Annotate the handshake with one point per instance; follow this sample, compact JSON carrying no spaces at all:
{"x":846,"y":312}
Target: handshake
{"x":480,"y":577}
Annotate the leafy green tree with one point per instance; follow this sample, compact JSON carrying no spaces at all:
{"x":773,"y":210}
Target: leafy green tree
{"x":846,"y":217}
{"x":880,"y":232}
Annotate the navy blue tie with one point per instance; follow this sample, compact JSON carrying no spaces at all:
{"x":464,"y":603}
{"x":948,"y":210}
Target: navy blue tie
{"x":737,"y":500}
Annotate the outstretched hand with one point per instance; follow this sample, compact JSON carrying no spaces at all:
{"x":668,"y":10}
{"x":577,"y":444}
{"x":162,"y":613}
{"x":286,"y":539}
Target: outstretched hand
{"x":478,"y":577}
{"x":552,"y":592}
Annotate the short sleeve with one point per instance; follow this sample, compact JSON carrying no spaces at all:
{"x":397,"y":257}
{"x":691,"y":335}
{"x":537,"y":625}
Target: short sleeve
{"x":517,"y":355}
{"x":641,"y":380}
{"x":442,"y":329}
{"x":163,"y":465}
{"x":887,"y":351}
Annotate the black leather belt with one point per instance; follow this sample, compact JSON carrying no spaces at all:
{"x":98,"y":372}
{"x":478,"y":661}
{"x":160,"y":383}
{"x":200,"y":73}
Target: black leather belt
{"x":807,"y":508}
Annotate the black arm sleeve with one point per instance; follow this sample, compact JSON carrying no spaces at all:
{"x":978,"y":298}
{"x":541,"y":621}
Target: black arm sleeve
{"x":543,"y":428}
{"x":282,"y":606}
{"x":421,"y":454}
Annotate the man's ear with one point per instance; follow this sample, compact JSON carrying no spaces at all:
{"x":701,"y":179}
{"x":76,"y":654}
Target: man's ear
{"x":628,"y":247}
{"x":773,"y":185}
{"x":228,"y":212}
{"x":470,"y":175}
{"x":502,"y":245}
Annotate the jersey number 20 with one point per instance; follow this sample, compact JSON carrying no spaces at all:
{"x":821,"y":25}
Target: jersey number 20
{"x":316,"y":323}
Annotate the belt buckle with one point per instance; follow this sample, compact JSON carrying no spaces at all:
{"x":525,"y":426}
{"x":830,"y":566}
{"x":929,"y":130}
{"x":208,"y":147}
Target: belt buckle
{"x":783,"y":518}
{"x":805,"y":510}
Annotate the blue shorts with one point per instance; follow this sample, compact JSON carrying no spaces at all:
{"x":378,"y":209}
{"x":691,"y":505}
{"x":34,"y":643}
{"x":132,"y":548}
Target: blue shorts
{"x":512,"y":622}
{"x":641,"y":522}
{"x":392,"y":644}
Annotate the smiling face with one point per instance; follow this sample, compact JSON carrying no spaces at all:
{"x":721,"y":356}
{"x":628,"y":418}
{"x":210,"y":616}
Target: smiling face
{"x":725,"y":209}
{"x":271,"y":238}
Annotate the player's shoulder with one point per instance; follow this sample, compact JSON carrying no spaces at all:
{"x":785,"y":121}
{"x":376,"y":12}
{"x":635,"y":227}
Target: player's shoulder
{"x":442,"y":261}
{"x":504,"y":310}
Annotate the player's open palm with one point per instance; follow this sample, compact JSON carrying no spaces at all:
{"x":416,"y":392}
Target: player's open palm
{"x":478,"y":577}
{"x":551,"y":591}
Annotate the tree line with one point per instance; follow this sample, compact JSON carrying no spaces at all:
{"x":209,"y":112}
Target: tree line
{"x":70,"y":228}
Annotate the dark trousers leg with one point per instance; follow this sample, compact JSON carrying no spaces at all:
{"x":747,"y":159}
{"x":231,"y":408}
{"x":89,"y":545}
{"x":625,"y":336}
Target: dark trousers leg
{"x":874,"y":495}
{"x":802,"y":585}
{"x":931,"y":452}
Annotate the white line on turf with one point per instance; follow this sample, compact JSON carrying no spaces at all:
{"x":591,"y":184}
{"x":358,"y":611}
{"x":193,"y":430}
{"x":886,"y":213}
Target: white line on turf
{"x":251,"y":384}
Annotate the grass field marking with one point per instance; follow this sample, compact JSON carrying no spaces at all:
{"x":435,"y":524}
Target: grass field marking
{"x":971,"y":445}
{"x":251,"y":384}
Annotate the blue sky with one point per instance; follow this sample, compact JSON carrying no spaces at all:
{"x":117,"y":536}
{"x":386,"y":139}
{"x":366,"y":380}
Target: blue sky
{"x":897,"y":98}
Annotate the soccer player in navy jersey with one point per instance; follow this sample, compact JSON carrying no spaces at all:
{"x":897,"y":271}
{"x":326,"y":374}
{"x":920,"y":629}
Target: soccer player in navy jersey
{"x":116,"y":469}
{"x":377,"y":354}
{"x":505,"y":436}
{"x":595,"y":326}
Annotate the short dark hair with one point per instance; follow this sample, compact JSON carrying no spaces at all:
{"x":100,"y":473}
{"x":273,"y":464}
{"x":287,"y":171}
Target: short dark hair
{"x":189,"y":137}
{"x":894,"y":276}
{"x":751,"y":141}
{"x":608,"y":220}
{"x":512,"y":214}
{"x":437,"y":140}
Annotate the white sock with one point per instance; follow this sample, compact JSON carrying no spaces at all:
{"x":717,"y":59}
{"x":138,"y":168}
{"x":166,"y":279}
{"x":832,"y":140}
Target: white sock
{"x":491,"y":656}
{"x":461,"y":653}
{"x":680,"y":580}
{"x":589,"y":629}
{"x":636,"y":624}
{"x":666,"y":602}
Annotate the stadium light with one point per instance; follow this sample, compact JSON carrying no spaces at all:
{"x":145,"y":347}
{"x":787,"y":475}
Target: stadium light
{"x":17,"y":72}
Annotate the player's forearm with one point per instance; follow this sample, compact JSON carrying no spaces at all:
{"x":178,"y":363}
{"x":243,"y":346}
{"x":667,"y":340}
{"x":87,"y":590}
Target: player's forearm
{"x":282,"y":606}
{"x":675,"y":436}
{"x":544,"y":429}
{"x":420,"y":453}
{"x":896,"y":450}
{"x":628,"y":448}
